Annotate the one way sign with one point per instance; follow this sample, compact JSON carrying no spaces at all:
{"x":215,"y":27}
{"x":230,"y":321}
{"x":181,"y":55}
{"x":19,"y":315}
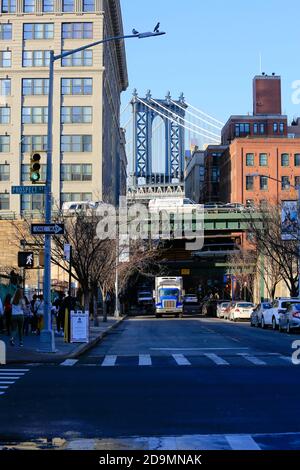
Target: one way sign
{"x":47,"y":229}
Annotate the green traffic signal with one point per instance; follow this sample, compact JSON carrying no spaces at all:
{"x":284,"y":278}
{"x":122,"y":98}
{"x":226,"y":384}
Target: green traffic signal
{"x":35,"y":167}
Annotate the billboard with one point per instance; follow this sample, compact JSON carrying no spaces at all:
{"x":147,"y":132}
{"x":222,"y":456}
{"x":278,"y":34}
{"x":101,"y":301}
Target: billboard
{"x":289,"y":216}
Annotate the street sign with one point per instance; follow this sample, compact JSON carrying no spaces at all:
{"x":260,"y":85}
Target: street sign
{"x":25,"y":259}
{"x":27,"y":189}
{"x":47,"y":229}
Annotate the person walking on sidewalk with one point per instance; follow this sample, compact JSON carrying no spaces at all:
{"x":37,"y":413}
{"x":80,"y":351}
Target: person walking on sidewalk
{"x":27,"y":316}
{"x":39,"y":310}
{"x":7,"y":313}
{"x":18,"y":307}
{"x":34,"y":317}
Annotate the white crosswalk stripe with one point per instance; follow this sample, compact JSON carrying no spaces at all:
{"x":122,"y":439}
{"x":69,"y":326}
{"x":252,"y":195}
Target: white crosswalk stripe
{"x":9,"y":377}
{"x":240,"y":442}
{"x":181,"y":360}
{"x":217,"y":359}
{"x":109,"y":361}
{"x":69,"y":362}
{"x":253,"y":359}
{"x":145,"y":360}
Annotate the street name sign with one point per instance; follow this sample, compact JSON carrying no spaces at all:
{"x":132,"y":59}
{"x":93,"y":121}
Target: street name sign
{"x":27,"y":189}
{"x":47,"y":229}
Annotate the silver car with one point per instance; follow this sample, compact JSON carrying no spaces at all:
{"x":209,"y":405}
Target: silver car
{"x":256,"y":315}
{"x":221,"y":307}
{"x":289,"y":319}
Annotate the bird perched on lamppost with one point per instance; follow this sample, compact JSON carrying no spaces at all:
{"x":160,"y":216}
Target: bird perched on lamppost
{"x":156,"y":29}
{"x":134,"y":31}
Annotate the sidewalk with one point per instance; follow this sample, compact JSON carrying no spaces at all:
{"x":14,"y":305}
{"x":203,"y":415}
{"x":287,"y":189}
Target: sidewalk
{"x":29,"y":352}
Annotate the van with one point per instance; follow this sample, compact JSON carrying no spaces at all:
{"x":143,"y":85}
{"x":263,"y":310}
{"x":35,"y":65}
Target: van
{"x":77,"y":207}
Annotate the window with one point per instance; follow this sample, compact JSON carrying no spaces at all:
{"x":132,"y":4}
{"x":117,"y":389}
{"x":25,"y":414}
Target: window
{"x":36,"y":58}
{"x":76,"y":143}
{"x":48,"y":6}
{"x":67,"y":5}
{"x":69,"y":197}
{"x":242,"y":129}
{"x":5,"y":87}
{"x":275,"y":127}
{"x":5,"y":59}
{"x":250,"y":159}
{"x":4,"y":143}
{"x":263,"y":159}
{"x":76,"y":172}
{"x":81,"y":58}
{"x":4,"y":172}
{"x":262,"y":128}
{"x":4,"y":115}
{"x":249,"y":183}
{"x":77,"y":30}
{"x":285,"y":182}
{"x":25,"y":173}
{"x":34,"y":115}
{"x":5,"y":31}
{"x":255,"y":128}
{"x":35,"y":86}
{"x":33,"y":142}
{"x":8,"y":6}
{"x":297,"y":159}
{"x":281,"y":128}
{"x":297,"y":181}
{"x":77,"y":86}
{"x":285,"y":159}
{"x":76,"y":114}
{"x":88,"y":5}
{"x":38,"y":31}
{"x":263,"y":183}
{"x":4,"y":201}
{"x":34,"y":202}
{"x":28,"y":6}
{"x":215,"y":175}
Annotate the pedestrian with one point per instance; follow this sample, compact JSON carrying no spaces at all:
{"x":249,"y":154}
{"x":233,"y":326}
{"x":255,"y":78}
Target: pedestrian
{"x":1,"y":317}
{"x":7,"y":313}
{"x":60,"y":316}
{"x":39,"y":311}
{"x":18,"y":307}
{"x":27,"y":316}
{"x":34,"y":317}
{"x":108,"y":303}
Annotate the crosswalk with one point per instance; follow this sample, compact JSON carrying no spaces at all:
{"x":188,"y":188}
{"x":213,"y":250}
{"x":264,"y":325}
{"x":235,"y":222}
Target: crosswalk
{"x":238,"y":359}
{"x":8,"y":377}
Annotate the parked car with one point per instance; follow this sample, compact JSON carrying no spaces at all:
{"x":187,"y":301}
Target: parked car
{"x":289,"y":319}
{"x":241,"y":311}
{"x":270,"y":317}
{"x":221,"y":307}
{"x":190,"y":299}
{"x":256,"y":315}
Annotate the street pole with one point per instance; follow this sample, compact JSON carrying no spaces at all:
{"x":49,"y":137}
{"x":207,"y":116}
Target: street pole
{"x":298,"y":235}
{"x":117,"y":303}
{"x":70,"y":273}
{"x":47,"y":343}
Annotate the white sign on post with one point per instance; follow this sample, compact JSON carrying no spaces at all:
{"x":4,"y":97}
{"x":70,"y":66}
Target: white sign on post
{"x":79,"y":327}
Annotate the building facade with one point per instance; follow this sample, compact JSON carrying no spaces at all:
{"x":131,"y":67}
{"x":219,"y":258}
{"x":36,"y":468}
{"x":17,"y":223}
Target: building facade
{"x":87,"y":141}
{"x":194,"y":176}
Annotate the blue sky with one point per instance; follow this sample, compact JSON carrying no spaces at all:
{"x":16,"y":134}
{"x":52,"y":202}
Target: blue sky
{"x":211,"y":50}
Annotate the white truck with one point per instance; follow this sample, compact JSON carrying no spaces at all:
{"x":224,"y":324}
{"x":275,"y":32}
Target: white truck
{"x":168,"y":296}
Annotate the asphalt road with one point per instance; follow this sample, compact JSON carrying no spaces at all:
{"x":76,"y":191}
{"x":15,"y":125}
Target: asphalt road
{"x":182,"y":382}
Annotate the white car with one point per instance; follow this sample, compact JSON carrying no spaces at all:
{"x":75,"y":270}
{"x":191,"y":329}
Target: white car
{"x":241,"y":311}
{"x":270,"y":317}
{"x":221,"y":309}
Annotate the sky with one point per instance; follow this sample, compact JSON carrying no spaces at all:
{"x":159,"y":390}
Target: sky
{"x":211,"y":51}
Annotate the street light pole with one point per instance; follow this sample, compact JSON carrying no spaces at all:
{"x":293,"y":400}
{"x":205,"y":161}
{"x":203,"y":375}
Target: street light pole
{"x":47,"y":343}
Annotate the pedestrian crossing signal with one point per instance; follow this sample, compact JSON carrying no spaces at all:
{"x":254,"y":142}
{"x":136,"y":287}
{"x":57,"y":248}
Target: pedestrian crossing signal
{"x":35,"y":167}
{"x":25,"y":259}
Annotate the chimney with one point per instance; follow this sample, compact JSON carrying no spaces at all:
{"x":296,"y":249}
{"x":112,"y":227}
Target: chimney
{"x":266,"y":94}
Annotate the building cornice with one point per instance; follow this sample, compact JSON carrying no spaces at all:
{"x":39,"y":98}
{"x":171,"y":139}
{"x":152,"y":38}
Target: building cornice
{"x":117,"y":25}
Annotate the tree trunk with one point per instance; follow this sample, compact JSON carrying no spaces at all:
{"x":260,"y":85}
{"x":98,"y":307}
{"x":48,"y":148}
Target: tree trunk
{"x":95,"y":305}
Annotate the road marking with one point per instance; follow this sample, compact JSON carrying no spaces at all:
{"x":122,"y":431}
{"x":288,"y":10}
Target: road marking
{"x":69,"y":362}
{"x":18,"y":374}
{"x":239,"y":442}
{"x":253,"y":359}
{"x":286,"y":358}
{"x":3,"y":387}
{"x":181,"y":360}
{"x":196,"y":349}
{"x":2,"y":382}
{"x":8,"y":377}
{"x":109,"y":361}
{"x":2,"y":393}
{"x":145,"y":360}
{"x":13,"y":370}
{"x":217,"y":359}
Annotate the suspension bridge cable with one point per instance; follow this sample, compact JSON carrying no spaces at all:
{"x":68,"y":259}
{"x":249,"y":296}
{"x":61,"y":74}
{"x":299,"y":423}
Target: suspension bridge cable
{"x":195,"y":115}
{"x":184,"y":120}
{"x":176,"y":121}
{"x":205,"y":114}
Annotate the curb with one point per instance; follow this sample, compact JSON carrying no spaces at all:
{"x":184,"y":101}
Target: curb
{"x":86,"y":347}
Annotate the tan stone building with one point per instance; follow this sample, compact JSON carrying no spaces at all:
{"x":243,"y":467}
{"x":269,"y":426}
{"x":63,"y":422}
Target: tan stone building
{"x":87,"y":140}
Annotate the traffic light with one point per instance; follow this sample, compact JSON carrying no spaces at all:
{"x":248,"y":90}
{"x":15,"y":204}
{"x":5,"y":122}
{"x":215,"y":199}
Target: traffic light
{"x":35,"y":167}
{"x":25,"y":259}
